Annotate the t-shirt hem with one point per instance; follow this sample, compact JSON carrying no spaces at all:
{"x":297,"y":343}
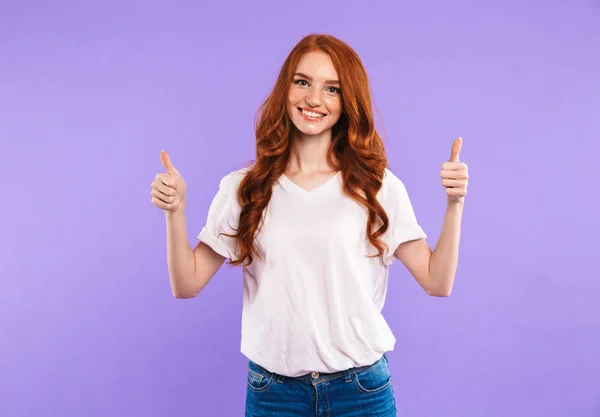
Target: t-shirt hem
{"x":294,"y":373}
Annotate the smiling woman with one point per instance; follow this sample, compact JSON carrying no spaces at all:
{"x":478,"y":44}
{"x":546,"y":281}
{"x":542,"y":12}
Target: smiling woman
{"x":316,"y":221}
{"x":318,"y":120}
{"x":314,"y":102}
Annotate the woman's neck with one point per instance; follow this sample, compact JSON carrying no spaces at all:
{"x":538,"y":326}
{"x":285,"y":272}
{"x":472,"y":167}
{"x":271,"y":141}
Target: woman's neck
{"x":309,"y":154}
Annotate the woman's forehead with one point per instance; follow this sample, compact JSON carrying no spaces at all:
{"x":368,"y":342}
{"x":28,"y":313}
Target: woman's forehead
{"x":317,"y":65}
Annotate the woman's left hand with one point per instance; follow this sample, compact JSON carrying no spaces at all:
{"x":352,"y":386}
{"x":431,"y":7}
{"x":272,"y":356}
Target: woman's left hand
{"x":455,"y":175}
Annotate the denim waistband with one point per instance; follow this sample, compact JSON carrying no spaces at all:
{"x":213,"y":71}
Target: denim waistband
{"x":318,"y":377}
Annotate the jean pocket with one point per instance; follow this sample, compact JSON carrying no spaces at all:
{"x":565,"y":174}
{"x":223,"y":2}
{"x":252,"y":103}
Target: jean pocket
{"x":259,"y":379}
{"x":375,"y":378}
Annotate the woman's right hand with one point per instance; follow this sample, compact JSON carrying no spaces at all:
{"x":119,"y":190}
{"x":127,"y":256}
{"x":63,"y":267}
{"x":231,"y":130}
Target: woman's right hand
{"x":168,"y":189}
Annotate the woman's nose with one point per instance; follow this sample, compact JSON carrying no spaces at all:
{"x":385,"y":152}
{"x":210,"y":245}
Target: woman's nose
{"x":313,"y":99}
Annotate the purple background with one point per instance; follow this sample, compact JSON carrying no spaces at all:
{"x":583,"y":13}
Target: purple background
{"x":91,"y":92}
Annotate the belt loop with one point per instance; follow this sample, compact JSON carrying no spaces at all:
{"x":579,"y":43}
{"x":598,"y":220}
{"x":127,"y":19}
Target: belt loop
{"x":348,"y":375}
{"x":280,"y":378}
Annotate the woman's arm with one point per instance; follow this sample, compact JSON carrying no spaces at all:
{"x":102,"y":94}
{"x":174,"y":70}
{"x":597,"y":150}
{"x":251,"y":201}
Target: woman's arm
{"x":435,"y":270}
{"x":189,"y":270}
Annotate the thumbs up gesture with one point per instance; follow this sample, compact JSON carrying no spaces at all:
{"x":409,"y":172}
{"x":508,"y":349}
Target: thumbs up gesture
{"x":168,"y":189}
{"x":455,"y":174}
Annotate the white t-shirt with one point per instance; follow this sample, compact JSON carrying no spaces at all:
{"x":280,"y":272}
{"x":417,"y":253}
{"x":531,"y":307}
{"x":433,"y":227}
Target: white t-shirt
{"x":313,"y":303}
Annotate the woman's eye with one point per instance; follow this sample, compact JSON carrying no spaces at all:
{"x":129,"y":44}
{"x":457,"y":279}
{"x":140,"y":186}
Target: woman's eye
{"x":300,"y":82}
{"x":334,"y":90}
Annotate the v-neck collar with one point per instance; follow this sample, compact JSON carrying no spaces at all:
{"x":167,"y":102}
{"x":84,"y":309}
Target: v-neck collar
{"x":291,"y":187}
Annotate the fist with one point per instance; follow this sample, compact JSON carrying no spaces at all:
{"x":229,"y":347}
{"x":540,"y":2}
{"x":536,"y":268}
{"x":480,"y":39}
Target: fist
{"x":455,"y":174}
{"x":168,"y":189}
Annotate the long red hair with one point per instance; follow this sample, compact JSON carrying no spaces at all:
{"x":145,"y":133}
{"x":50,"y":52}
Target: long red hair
{"x":356,"y":150}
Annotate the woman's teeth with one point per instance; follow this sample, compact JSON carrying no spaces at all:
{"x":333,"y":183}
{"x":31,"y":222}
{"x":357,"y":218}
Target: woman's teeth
{"x":311,"y":114}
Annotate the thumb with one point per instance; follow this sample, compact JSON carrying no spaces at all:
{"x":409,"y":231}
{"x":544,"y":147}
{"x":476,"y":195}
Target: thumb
{"x":166,"y":161}
{"x":456,"y":147}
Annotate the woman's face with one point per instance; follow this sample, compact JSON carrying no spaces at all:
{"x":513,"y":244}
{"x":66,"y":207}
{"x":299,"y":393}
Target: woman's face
{"x":314,"y":100}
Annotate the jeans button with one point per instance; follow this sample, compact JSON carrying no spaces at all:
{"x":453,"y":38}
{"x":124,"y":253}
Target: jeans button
{"x":315,"y":375}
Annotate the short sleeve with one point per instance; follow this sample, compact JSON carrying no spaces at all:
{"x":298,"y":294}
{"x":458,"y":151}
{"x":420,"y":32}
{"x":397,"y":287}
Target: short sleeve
{"x":223,"y":217}
{"x":403,"y":224}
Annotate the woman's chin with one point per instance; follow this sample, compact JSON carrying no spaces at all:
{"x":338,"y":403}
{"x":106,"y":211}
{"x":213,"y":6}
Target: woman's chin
{"x":310,"y":130}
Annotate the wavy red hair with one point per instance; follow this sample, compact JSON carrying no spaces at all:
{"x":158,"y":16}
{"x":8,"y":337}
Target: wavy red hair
{"x":356,"y":150}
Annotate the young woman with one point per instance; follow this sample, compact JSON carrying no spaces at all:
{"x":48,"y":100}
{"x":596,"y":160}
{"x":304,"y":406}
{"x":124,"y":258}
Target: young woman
{"x":316,"y":221}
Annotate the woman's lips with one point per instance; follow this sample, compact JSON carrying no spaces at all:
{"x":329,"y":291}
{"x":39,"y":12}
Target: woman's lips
{"x":311,"y":118}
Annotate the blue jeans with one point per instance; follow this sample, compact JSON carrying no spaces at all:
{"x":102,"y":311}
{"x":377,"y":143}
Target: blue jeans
{"x":357,"y":392}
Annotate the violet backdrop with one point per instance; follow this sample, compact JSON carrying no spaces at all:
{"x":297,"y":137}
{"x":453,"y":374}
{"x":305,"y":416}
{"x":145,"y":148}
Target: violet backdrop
{"x":90,"y":92}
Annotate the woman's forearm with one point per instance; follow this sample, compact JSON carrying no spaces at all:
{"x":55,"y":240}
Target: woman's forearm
{"x":444,"y":259}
